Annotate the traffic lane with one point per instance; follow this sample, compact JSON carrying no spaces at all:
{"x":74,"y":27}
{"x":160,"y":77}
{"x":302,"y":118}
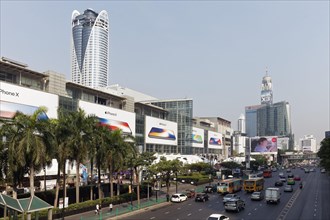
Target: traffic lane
{"x":184,"y":210}
{"x":307,"y":205}
{"x":323,"y":199}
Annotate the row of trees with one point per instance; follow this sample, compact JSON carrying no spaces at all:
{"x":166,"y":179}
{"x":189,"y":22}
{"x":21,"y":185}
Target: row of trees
{"x":29,"y":144}
{"x":324,"y":153}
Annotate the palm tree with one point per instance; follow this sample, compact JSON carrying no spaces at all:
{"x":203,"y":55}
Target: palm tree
{"x":118,"y":147}
{"x":79,"y":138}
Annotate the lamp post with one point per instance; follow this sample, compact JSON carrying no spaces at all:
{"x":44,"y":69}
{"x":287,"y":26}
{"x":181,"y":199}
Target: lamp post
{"x":176,"y":182}
{"x":131,"y":187}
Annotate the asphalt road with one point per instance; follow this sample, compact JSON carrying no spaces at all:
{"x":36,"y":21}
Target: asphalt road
{"x":310,"y":203}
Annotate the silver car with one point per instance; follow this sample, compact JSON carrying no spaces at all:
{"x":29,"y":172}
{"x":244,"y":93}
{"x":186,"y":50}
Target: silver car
{"x":228,"y":197}
{"x":257,"y":196}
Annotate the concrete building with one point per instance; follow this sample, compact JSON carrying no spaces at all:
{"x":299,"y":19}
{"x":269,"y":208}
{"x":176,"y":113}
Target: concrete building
{"x":90,"y":48}
{"x":308,"y":144}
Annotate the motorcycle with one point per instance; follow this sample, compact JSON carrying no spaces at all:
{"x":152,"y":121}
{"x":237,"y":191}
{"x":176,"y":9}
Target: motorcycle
{"x":301,"y":186}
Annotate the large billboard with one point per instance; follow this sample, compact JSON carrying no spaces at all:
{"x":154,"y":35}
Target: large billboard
{"x":214,"y":140}
{"x":283,"y":143}
{"x":111,"y":117}
{"x":159,"y":131}
{"x":264,"y":145}
{"x":15,"y":98}
{"x":197,"y":137}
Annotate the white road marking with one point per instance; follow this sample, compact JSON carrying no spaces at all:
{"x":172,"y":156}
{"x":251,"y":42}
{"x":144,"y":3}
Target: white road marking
{"x":189,"y":214}
{"x":200,"y":209}
{"x":167,"y":213}
{"x":255,"y":209}
{"x":249,"y":213}
{"x":152,"y":217}
{"x":179,"y":208}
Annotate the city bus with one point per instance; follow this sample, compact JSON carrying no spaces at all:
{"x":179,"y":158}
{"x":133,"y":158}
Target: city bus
{"x":267,"y":174}
{"x":253,"y":185}
{"x":230,"y":186}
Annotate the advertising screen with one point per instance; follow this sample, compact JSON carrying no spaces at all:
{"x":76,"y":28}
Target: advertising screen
{"x":16,"y":98}
{"x":197,"y":137}
{"x":159,"y":131}
{"x":214,"y":140}
{"x":111,"y":117}
{"x":264,"y":145}
{"x":283,"y":143}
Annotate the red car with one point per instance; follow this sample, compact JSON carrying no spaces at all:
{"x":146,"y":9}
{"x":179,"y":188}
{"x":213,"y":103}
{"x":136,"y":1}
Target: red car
{"x":297,"y":178}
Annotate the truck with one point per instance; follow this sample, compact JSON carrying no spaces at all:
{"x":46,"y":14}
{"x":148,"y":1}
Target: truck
{"x":273,"y":195}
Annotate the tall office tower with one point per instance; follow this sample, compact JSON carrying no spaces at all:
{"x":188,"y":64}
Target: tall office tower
{"x":90,"y":48}
{"x":266,"y":90}
{"x":241,"y":124}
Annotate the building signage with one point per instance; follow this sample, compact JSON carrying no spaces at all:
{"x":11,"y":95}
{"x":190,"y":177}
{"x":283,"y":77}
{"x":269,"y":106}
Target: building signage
{"x":159,"y":131}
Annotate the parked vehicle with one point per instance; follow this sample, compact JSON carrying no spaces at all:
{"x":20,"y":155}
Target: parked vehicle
{"x":257,"y":196}
{"x":178,"y":197}
{"x":234,"y":205}
{"x":201,"y":197}
{"x":230,"y":186}
{"x":272,"y":195}
{"x":288,"y":188}
{"x":228,"y":197}
{"x":218,"y":217}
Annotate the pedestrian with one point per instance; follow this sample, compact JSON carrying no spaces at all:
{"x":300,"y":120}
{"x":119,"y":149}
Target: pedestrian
{"x":110,"y":207}
{"x":97,"y":209}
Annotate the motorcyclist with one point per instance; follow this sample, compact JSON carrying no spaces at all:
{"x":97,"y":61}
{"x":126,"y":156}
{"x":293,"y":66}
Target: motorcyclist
{"x":301,"y":185}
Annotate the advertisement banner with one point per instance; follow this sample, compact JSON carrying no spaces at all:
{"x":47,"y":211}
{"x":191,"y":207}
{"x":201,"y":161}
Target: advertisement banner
{"x":111,"y":117}
{"x":197,"y":137}
{"x":15,"y":98}
{"x":283,"y":143}
{"x":159,"y":131}
{"x":264,"y":145}
{"x":214,"y":140}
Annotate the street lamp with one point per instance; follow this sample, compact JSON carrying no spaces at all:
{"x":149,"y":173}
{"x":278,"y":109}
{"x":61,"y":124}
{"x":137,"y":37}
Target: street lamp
{"x":176,"y":182}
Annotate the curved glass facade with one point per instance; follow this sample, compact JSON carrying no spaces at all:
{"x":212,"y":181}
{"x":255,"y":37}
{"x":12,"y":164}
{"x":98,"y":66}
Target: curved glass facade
{"x":90,"y":46}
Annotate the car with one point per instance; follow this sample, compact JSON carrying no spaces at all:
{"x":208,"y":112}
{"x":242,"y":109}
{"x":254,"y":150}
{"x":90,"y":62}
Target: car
{"x":282,"y":178}
{"x":234,"y":205}
{"x":274,"y":169}
{"x":306,"y":170}
{"x":279,"y":183}
{"x":322,"y":170}
{"x":178,"y":197}
{"x":288,"y":170}
{"x":281,"y":174}
{"x":288,"y":188}
{"x":190,"y":193}
{"x":297,"y":178}
{"x":201,"y":197}
{"x":218,"y":217}
{"x":290,"y":175}
{"x":291,"y":181}
{"x":257,"y":195}
{"x":311,"y":170}
{"x":208,"y":189}
{"x":228,"y":197}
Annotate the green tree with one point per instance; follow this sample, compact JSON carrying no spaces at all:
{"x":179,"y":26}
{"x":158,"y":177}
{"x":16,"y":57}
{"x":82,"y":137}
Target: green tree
{"x":81,"y":127}
{"x":166,"y":168}
{"x":324,"y":153}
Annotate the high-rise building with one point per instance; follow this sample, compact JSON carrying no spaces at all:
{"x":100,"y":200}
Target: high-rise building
{"x":266,"y":90}
{"x":308,"y":144}
{"x":241,"y":124}
{"x":90,"y":48}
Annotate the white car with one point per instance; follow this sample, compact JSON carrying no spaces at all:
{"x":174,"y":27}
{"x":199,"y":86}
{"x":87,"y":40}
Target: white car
{"x":178,"y":197}
{"x":217,"y":217}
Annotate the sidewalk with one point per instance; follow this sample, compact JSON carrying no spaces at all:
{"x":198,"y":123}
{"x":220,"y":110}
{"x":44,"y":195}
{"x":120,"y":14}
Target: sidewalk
{"x":128,"y":209}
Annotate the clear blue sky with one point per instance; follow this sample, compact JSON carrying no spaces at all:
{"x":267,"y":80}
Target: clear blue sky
{"x":214,"y":52}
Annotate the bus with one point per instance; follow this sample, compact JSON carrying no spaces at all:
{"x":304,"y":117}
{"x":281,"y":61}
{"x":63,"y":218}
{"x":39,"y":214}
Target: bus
{"x":230,"y":186}
{"x":253,"y":185}
{"x":267,"y":174}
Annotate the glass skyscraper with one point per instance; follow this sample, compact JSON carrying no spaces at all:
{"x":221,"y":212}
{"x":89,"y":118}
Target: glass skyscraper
{"x":90,"y":48}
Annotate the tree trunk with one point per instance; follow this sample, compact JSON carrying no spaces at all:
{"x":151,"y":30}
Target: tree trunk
{"x":64,"y":182}
{"x":137,"y":186}
{"x":91,"y":187}
{"x":57,"y":190}
{"x":31,"y":180}
{"x":77,"y":180}
{"x":118,"y":184}
{"x":111,"y":181}
{"x":99,"y":182}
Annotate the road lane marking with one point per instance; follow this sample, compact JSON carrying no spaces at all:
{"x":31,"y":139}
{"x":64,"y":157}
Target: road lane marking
{"x":249,"y":213}
{"x":152,"y":217}
{"x":200,"y":209}
{"x":189,"y":214}
{"x":166,"y":213}
{"x":179,"y":208}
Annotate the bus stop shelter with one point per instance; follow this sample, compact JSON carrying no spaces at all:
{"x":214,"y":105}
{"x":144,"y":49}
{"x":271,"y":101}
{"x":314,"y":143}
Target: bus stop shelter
{"x":24,"y":206}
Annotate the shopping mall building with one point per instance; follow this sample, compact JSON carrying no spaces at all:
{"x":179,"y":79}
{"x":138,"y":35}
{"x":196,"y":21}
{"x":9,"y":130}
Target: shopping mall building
{"x":162,"y":126}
